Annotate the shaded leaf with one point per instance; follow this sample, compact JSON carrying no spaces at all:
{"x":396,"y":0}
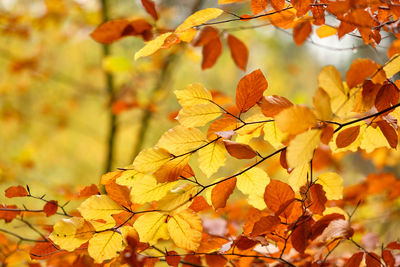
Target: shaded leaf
{"x":221,"y":192}
{"x":239,"y":151}
{"x":347,"y":136}
{"x":211,"y":52}
{"x":277,"y":194}
{"x":355,"y":260}
{"x":273,"y":104}
{"x":239,"y":51}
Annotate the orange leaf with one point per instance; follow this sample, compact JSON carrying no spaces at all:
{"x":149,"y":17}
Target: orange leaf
{"x":389,"y":132}
{"x":221,"y":192}
{"x":199,"y":204}
{"x":211,"y":52}
{"x":238,"y":150}
{"x":394,"y":49}
{"x":50,"y":208}
{"x":278,"y":4}
{"x":301,"y":32}
{"x":355,"y":260}
{"x":16,"y":191}
{"x":318,"y":199}
{"x":172,"y":258}
{"x":295,"y":119}
{"x":318,"y":13}
{"x":9,"y":212}
{"x":239,"y":51}
{"x":277,"y":194}
{"x":88,"y":191}
{"x":302,"y":6}
{"x":244,"y":243}
{"x":215,"y":260}
{"x":266,"y":224}
{"x":360,"y":69}
{"x":347,"y":136}
{"x":273,"y":104}
{"x":250,"y":90}
{"x":194,"y":260}
{"x":372,"y":260}
{"x":321,"y":224}
{"x":211,"y":243}
{"x":282,"y":160}
{"x":327,"y":134}
{"x":44,"y":250}
{"x":118,"y":193}
{"x":206,"y":35}
{"x":365,"y":99}
{"x":150,"y":8}
{"x":258,"y":5}
{"x":393,"y":245}
{"x":223,"y":124}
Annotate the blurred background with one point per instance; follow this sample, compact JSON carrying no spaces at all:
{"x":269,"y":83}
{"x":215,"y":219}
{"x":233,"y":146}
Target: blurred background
{"x":56,"y":107}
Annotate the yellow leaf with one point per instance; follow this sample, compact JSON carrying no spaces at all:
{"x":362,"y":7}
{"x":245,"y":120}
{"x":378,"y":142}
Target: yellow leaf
{"x":332,"y":184}
{"x":322,"y":105}
{"x":298,"y":177}
{"x":185,"y":229}
{"x":115,"y":64}
{"x":295,"y":119}
{"x":147,"y":189}
{"x":253,"y":125}
{"x":273,"y":135}
{"x":198,"y":18}
{"x":180,"y":140}
{"x":173,"y":169}
{"x":373,"y":138}
{"x":301,"y":148}
{"x":127,"y":177}
{"x":152,"y":46}
{"x":150,"y":160}
{"x":212,"y":157}
{"x":151,"y":227}
{"x":71,"y":233}
{"x":179,"y":198}
{"x":105,"y":246}
{"x":193,"y":94}
{"x":99,"y":207}
{"x":393,"y":66}
{"x":198,"y":115}
{"x":188,"y":35}
{"x":253,"y":183}
{"x":325,"y":31}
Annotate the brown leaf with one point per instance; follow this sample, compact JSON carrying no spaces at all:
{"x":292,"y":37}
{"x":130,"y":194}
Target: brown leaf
{"x":394,"y":245}
{"x":206,"y":35}
{"x":347,"y":136}
{"x":50,"y":208}
{"x":282,"y":160}
{"x":389,"y":132}
{"x":276,"y":194}
{"x":172,"y":258}
{"x":250,"y":90}
{"x":16,"y":191}
{"x":194,"y":260}
{"x":266,"y":224}
{"x":355,"y":260}
{"x":327,"y":134}
{"x":300,"y":237}
{"x":273,"y":104}
{"x":211,"y":243}
{"x":221,"y":192}
{"x":372,"y":260}
{"x":360,"y":69}
{"x":258,"y":5}
{"x":388,"y":258}
{"x":387,"y":96}
{"x":215,"y":260}
{"x":238,"y":150}
{"x":244,"y":243}
{"x":150,"y":8}
{"x":318,"y":199}
{"x":239,"y":51}
{"x":301,"y":32}
{"x":336,"y":229}
{"x":319,"y":226}
{"x":211,"y":52}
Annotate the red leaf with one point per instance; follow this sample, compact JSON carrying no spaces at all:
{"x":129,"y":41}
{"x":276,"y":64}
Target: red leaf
{"x":16,"y":191}
{"x":221,"y":192}
{"x":88,"y":191}
{"x":388,"y":258}
{"x":394,"y":245}
{"x":386,"y":97}
{"x":244,"y":243}
{"x":44,"y":250}
{"x":277,"y":194}
{"x":172,"y":258}
{"x":238,"y":150}
{"x":301,"y":32}
{"x":9,"y":212}
{"x":150,"y":8}
{"x":250,"y":90}
{"x":347,"y":136}
{"x":300,"y":237}
{"x":206,"y":35}
{"x":215,"y":260}
{"x":355,"y":260}
{"x":211,"y":52}
{"x":389,"y":132}
{"x":50,"y":208}
{"x":239,"y":51}
{"x":372,"y":260}
{"x":273,"y":104}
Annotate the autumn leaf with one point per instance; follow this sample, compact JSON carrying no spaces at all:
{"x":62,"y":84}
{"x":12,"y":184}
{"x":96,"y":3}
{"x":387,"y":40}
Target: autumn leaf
{"x":99,"y":207}
{"x":152,"y":46}
{"x":265,"y":225}
{"x":151,"y":227}
{"x":212,"y":157}
{"x":147,"y":189}
{"x":273,"y":105}
{"x":238,"y":150}
{"x":277,"y":195}
{"x":301,"y":148}
{"x":150,"y":160}
{"x":295,"y":119}
{"x":105,"y":245}
{"x":180,"y":139}
{"x":150,"y":8}
{"x":325,"y":31}
{"x":253,"y":183}
{"x":9,"y":212}
{"x":198,"y":18}
{"x":239,"y":51}
{"x":355,"y":259}
{"x":185,"y":229}
{"x":16,"y":191}
{"x":193,"y":94}
{"x":359,"y":70}
{"x":347,"y":136}
{"x":301,"y":32}
{"x":393,"y":66}
{"x":332,"y":184}
{"x":50,"y":208}
{"x":198,"y":115}
{"x":211,"y":52}
{"x":221,"y":192}
{"x":250,"y":90}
